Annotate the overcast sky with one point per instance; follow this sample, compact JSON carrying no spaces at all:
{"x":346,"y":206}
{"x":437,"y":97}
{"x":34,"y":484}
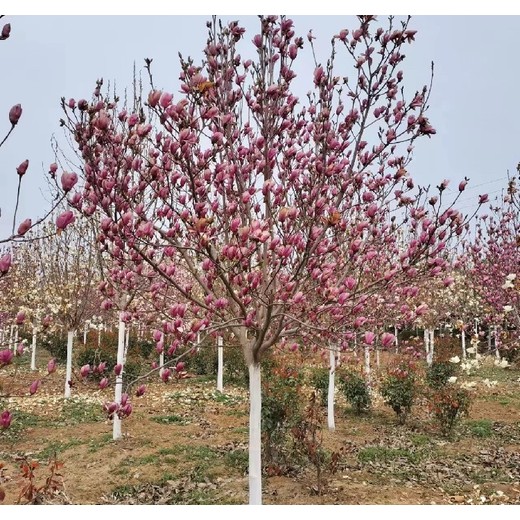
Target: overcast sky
{"x":474,"y":103}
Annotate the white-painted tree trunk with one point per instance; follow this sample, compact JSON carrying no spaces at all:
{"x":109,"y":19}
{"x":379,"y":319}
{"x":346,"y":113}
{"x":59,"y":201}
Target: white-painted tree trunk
{"x":11,"y":339}
{"x":431,"y":344}
{"x":220,"y":363}
{"x":330,"y":397}
{"x":85,"y":330}
{"x":396,"y":340}
{"x":378,"y":361}
{"x":255,"y":435}
{"x":116,"y":430}
{"x":496,"y":338}
{"x":68,"y":368}
{"x":463,"y":342}
{"x":367,"y":363}
{"x":426,"y":336}
{"x":33,"y":349}
{"x":15,"y":346}
{"x":99,"y":337}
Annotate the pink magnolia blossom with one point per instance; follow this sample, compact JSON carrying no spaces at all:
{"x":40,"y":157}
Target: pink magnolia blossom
{"x":118,"y":369}
{"x":165,"y":375}
{"x":103,"y":383}
{"x":5,"y":419}
{"x":179,"y":367}
{"x":22,"y":168}
{"x":84,"y":370}
{"x":15,"y":113}
{"x":66,"y":218}
{"x":68,"y":180}
{"x":6,"y":356}
{"x":20,"y":317}
{"x":34,"y":386}
{"x":369,"y":338}
{"x":24,"y":226}
{"x":387,"y":339}
{"x":5,"y":263}
{"x":51,"y":366}
{"x":6,"y":31}
{"x":141,"y":389}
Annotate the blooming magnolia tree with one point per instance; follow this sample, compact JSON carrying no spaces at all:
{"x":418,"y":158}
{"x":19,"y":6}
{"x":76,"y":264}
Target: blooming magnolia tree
{"x":495,"y":259}
{"x":282,"y":213}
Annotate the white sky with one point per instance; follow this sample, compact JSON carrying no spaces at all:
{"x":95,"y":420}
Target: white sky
{"x":473,"y":104}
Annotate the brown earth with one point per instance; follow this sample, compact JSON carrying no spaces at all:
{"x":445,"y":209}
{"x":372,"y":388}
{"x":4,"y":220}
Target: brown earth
{"x":185,"y":443}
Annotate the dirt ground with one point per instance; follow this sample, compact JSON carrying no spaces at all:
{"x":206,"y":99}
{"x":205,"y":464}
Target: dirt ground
{"x":186,"y":443}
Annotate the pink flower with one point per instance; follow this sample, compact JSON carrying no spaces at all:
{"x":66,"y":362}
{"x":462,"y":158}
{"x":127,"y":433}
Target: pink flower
{"x":153,"y":97}
{"x":14,"y":114}
{"x":165,"y":99}
{"x":22,"y":168}
{"x":24,"y":226}
{"x":20,"y":318}
{"x":118,"y":369}
{"x":51,"y":366}
{"x":6,"y":357}
{"x":101,"y":367}
{"x":165,"y":375}
{"x":5,"y":263}
{"x":482,"y":199}
{"x":84,"y":370}
{"x":19,"y":349}
{"x":140,"y":390}
{"x":34,"y":387}
{"x":103,"y":383}
{"x":68,"y":180}
{"x":66,"y":218}
{"x":5,"y":419}
{"x":6,"y":31}
{"x":179,"y":367}
{"x":387,"y":339}
{"x":369,"y":338}
{"x":462,"y":185}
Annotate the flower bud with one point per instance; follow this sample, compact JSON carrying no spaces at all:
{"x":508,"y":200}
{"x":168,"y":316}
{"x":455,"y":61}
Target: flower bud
{"x":103,"y":383}
{"x":6,"y":31}
{"x":5,"y":419}
{"x":66,"y":218}
{"x":68,"y":180}
{"x":5,"y":263}
{"x":34,"y":387}
{"x":15,"y":113}
{"x":22,"y":168}
{"x":84,"y":370}
{"x":24,"y":226}
{"x":51,"y":366}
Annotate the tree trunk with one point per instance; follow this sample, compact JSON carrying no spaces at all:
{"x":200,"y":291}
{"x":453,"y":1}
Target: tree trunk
{"x":68,"y":369}
{"x":463,"y":341}
{"x":396,"y":340}
{"x":496,"y":338}
{"x":431,"y":345}
{"x":33,"y":350}
{"x":255,"y":435}
{"x":220,"y":364}
{"x":116,"y":430}
{"x":85,"y":329}
{"x":367,"y":363}
{"x":330,"y":397}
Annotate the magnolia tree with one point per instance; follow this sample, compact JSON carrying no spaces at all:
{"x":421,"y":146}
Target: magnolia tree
{"x":68,"y":275}
{"x":494,"y":258}
{"x":282,"y":213}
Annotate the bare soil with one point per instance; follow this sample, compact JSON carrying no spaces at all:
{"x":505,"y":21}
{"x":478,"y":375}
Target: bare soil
{"x":186,"y":443}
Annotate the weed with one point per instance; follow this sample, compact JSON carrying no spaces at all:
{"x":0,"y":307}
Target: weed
{"x":170,"y":419}
{"x":481,"y":428}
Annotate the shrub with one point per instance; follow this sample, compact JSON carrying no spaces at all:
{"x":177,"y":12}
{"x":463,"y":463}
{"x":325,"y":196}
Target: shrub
{"x":438,"y":373}
{"x":449,"y":405}
{"x":55,"y":345}
{"x":281,"y":410}
{"x":356,"y":391}
{"x":398,"y":388}
{"x":319,"y":381}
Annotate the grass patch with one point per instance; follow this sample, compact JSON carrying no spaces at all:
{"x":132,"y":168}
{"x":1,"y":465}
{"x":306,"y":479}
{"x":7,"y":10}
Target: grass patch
{"x":78,"y":412}
{"x":96,"y":444}
{"x":482,"y":428}
{"x":384,"y":454}
{"x":170,"y":419}
{"x":58,"y":448}
{"x":20,"y":422}
{"x":238,"y":459}
{"x":228,"y":400}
